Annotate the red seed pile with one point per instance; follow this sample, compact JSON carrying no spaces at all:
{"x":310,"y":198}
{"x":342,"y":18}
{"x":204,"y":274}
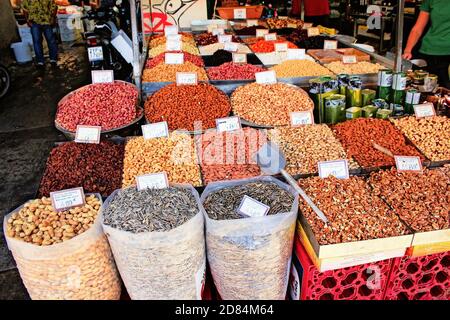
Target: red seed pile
{"x":95,"y":167}
{"x":109,"y":105}
{"x":234,"y":71}
{"x":183,"y":105}
{"x":160,"y":58}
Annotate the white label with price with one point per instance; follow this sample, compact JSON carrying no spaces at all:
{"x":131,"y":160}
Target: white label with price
{"x":169,"y":30}
{"x":337,"y":168}
{"x":252,"y":208}
{"x":240,"y":13}
{"x":228,"y":124}
{"x":270,"y":37}
{"x":349,"y":59}
{"x":152,"y":181}
{"x":173,"y":37}
{"x":218,"y":31}
{"x":307,"y":25}
{"x":281,"y":47}
{"x":186,"y":78}
{"x":424,"y":110}
{"x":88,"y":134}
{"x":406,"y":163}
{"x":231,"y":46}
{"x":211,"y":27}
{"x":223,"y":38}
{"x":330,"y":45}
{"x":312,"y":32}
{"x":266,"y":77}
{"x":300,"y":118}
{"x":239,"y":58}
{"x":174,"y":58}
{"x":296,"y":54}
{"x":68,"y":198}
{"x":261,"y":32}
{"x":102,"y":76}
{"x":173,"y":45}
{"x":155,"y":130}
{"x":251,"y":23}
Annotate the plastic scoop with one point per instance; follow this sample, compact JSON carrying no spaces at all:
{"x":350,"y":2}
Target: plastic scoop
{"x":271,"y":161}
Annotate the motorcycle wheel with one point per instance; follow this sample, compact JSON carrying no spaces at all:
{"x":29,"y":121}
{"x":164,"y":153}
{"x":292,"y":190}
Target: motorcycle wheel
{"x":5,"y":81}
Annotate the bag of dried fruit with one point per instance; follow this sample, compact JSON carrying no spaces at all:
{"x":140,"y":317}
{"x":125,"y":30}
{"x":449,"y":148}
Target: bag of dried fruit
{"x":250,"y":225}
{"x":62,"y":255}
{"x":157,"y":238}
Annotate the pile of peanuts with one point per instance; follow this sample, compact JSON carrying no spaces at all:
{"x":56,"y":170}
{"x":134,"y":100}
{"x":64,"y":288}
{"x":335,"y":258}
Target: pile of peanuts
{"x":299,"y":68}
{"x":176,"y":155}
{"x":422,"y":200}
{"x":361,"y":67}
{"x":229,"y":155}
{"x":431,"y":135}
{"x":185,"y":46}
{"x":168,"y":72}
{"x":269,"y":104}
{"x":162,"y":57}
{"x":211,"y":48}
{"x":354,"y":213}
{"x":304,"y":146}
{"x":183,"y":106}
{"x":234,"y":71}
{"x":359,"y":135}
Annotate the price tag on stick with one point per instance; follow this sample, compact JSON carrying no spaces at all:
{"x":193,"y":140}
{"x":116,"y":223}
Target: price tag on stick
{"x":169,"y":30}
{"x":349,"y":59}
{"x":218,"y":31}
{"x":302,"y":118}
{"x":240,"y":13}
{"x":406,"y":163}
{"x":424,"y":110}
{"x":173,"y":45}
{"x":337,"y":168}
{"x":174,"y":58}
{"x":228,"y":124}
{"x":266,"y":77}
{"x":231,"y":46}
{"x":223,"y":38}
{"x":239,"y":58}
{"x":88,"y":134}
{"x":281,"y":47}
{"x":102,"y":76}
{"x":252,"y":22}
{"x":155,"y":130}
{"x":313,"y":32}
{"x":173,"y":37}
{"x":211,"y":27}
{"x":270,"y":37}
{"x":261,"y":32}
{"x":186,"y":78}
{"x":252,"y":208}
{"x":152,"y":181}
{"x":68,"y":198}
{"x":330,"y":45}
{"x":295,"y":54}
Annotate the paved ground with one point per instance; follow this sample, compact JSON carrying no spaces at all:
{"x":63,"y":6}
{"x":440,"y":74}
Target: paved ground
{"x":26,"y":136}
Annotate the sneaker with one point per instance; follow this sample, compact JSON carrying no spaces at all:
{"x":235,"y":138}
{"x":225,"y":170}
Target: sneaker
{"x":40,"y":65}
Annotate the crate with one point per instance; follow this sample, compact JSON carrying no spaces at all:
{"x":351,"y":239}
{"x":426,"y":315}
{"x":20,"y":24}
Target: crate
{"x":420,"y":278}
{"x":362,"y":282}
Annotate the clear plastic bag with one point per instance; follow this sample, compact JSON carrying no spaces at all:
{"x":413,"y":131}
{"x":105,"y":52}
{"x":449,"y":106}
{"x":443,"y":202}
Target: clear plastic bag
{"x":250,"y":257}
{"x":81,"y":268}
{"x":162,"y":265}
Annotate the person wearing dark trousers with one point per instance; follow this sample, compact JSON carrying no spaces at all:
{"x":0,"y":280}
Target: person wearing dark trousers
{"x":435,"y":47}
{"x":41,"y":17}
{"x":317,"y":12}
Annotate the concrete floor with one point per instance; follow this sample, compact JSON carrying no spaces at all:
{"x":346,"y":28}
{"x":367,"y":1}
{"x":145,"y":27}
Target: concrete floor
{"x":27,"y":135}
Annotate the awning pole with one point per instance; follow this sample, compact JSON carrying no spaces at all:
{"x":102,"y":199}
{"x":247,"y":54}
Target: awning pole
{"x":399,"y":44}
{"x":136,"y":51}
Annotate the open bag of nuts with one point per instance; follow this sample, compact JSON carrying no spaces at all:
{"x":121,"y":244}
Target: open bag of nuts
{"x":250,"y":257}
{"x":62,"y":255}
{"x":157,"y":238}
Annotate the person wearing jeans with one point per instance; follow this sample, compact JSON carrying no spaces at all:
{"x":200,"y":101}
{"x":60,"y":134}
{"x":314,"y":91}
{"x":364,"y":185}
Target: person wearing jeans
{"x":41,"y":17}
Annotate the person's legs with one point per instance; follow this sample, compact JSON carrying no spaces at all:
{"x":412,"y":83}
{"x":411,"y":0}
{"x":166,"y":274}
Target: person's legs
{"x":51,"y":42}
{"x":36,"y":34}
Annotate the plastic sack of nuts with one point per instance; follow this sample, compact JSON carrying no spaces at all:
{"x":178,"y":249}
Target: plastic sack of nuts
{"x":250,"y":257}
{"x":78,"y":265}
{"x":157,"y":238}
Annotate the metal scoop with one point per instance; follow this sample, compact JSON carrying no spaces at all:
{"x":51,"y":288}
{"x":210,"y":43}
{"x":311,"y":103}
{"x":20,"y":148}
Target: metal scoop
{"x":272,"y":161}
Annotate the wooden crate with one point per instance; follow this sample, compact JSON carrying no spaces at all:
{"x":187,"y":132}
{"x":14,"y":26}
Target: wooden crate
{"x":327,"y":56}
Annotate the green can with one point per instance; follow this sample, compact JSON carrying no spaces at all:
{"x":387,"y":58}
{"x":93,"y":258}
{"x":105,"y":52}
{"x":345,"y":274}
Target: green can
{"x":398,"y":88}
{"x":383,"y":113}
{"x":353,"y":113}
{"x":412,"y":98}
{"x":367,"y":96}
{"x":353,"y":93}
{"x":369,"y":111}
{"x":334,"y":108}
{"x":343,"y":82}
{"x":384,"y":83}
{"x":319,"y":89}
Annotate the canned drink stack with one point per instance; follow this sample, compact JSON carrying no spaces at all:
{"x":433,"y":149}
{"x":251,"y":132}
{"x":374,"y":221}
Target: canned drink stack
{"x":398,"y":88}
{"x":412,"y":98}
{"x":384,"y":84}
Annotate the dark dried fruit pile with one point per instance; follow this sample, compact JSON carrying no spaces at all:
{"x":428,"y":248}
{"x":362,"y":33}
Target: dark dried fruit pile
{"x":205,"y":39}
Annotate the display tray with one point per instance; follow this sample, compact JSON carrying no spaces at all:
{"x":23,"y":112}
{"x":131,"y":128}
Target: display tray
{"x":327,"y":56}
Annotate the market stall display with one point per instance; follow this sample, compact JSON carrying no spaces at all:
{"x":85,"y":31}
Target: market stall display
{"x":269,"y":104}
{"x":222,"y":56}
{"x":249,"y":257}
{"x":95,"y":167}
{"x":363,"y":67}
{"x":168,"y":72}
{"x":234,"y":71}
{"x":62,"y":254}
{"x":160,"y":59}
{"x":299,"y":68}
{"x":174,"y":155}
{"x":158,"y":242}
{"x":183,"y":106}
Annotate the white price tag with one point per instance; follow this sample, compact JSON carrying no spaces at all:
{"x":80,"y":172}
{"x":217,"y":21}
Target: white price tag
{"x":291,"y":25}
{"x":337,"y":168}
{"x":228,"y":124}
{"x":211,"y":27}
{"x":186,"y":78}
{"x":266,"y":77}
{"x":300,"y":118}
{"x":252,"y":22}
{"x":270,"y":37}
{"x":307,"y":25}
{"x":88,"y":134}
{"x":68,"y":198}
{"x":155,"y":130}
{"x":281,"y":47}
{"x":313,"y":32}
{"x":239,"y":57}
{"x":330,"y":45}
{"x":349,"y":59}
{"x":240,"y":13}
{"x":173,"y":37}
{"x":168,"y":30}
{"x":424,"y":110}
{"x":282,"y":17}
{"x":261,"y":32}
{"x":252,"y":208}
{"x":173,"y":45}
{"x":231,"y":46}
{"x":406,"y":163}
{"x":174,"y":58}
{"x":223,"y":38}
{"x":102,"y":76}
{"x":296,"y":54}
{"x":216,"y":32}
{"x":152,"y":181}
